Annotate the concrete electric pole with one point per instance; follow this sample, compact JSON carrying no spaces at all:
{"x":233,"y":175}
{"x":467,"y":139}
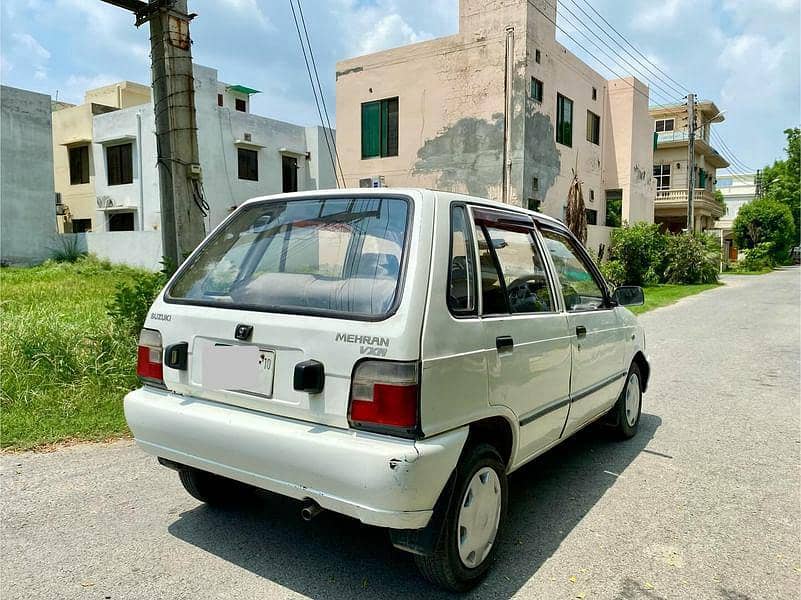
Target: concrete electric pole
{"x":690,"y":162}
{"x":182,"y":205}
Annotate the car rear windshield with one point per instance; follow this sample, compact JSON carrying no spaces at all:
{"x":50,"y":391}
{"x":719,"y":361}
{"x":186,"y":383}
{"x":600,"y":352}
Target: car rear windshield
{"x":338,"y":256}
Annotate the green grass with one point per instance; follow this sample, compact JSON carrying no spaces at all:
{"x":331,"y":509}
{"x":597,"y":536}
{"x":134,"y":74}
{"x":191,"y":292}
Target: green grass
{"x":63,"y":368}
{"x":657,"y":296}
{"x":741,"y":272}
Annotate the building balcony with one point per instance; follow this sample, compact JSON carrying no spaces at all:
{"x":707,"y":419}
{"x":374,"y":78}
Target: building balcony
{"x":670,"y":208}
{"x":677,"y":139}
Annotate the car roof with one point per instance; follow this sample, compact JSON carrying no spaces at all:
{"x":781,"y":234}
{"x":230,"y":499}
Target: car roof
{"x":440,"y":197}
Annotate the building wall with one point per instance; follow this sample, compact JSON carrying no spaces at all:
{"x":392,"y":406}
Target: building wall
{"x":451,"y":115}
{"x":27,"y":202}
{"x":221,"y":131}
{"x":119,"y":95}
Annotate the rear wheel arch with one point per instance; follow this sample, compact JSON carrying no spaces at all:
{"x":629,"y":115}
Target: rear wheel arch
{"x":496,"y":431}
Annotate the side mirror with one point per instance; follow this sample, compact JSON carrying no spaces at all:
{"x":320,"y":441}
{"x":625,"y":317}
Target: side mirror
{"x":629,"y":295}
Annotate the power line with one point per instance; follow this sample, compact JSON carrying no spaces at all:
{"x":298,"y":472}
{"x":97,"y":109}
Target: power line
{"x":733,"y":158}
{"x":314,"y":91}
{"x":630,"y":45}
{"x":580,"y":45}
{"x":656,"y":85}
{"x":320,"y":89}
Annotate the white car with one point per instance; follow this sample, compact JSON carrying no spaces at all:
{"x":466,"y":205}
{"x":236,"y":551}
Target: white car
{"x":388,"y":354}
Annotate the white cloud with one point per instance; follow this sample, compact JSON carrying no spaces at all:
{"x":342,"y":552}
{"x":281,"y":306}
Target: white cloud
{"x":27,"y":43}
{"x":248,"y":9}
{"x":660,"y":14}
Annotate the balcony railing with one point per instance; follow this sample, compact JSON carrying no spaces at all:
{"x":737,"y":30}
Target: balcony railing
{"x":702,"y":198}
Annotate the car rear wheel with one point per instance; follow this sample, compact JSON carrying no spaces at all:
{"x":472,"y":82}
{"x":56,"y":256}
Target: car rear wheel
{"x":210,"y":488}
{"x":629,"y":405}
{"x":467,"y":543}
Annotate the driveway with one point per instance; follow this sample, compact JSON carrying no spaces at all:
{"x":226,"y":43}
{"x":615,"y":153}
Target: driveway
{"x":703,"y":503}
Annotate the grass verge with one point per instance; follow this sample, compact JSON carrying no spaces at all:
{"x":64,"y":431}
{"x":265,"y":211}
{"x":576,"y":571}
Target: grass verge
{"x":63,"y":368}
{"x":657,"y":296}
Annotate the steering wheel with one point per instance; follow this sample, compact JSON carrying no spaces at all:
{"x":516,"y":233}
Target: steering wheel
{"x":523,"y":294}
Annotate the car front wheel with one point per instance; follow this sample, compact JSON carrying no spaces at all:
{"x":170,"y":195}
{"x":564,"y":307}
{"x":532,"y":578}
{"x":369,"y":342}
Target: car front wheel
{"x":467,"y":543}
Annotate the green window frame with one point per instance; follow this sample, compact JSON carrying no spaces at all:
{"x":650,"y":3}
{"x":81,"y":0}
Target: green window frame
{"x":593,"y":128}
{"x":536,"y":89}
{"x":564,"y":120}
{"x":380,"y":128}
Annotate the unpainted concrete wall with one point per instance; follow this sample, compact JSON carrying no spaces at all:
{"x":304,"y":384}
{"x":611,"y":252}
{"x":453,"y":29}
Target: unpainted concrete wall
{"x":27,"y":195}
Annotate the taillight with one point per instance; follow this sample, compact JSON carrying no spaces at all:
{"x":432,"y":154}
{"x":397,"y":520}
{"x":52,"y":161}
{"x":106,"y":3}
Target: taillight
{"x":148,"y":363}
{"x":384,"y":397}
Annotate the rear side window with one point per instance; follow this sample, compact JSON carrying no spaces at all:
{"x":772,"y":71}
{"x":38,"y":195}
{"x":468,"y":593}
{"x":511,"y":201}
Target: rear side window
{"x":337,"y":256}
{"x":461,"y":274}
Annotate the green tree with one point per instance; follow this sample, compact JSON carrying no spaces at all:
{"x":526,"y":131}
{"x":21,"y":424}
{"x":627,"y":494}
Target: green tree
{"x":782,"y":180}
{"x":765,"y":220}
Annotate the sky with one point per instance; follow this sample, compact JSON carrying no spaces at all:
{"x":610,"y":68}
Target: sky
{"x":743,"y":54}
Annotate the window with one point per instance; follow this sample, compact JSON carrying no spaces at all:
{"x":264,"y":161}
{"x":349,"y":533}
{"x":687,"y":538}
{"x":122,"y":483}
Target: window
{"x":241,"y":105}
{"x":79,"y":165}
{"x":564,"y":120}
{"x":537,"y":56}
{"x":248,"y":164}
{"x":592,"y":216}
{"x":536,"y":89}
{"x":580,"y":289}
{"x":461,"y":275}
{"x":614,"y":208}
{"x":493,"y":298}
{"x":594,"y":94}
{"x":289,"y":171}
{"x":119,"y":164}
{"x":335,"y":256}
{"x":123,"y":221}
{"x":662,"y":175}
{"x":81,"y":225}
{"x":664,"y":125}
{"x":593,"y":128}
{"x":524,"y":276}
{"x":380,"y":128}
{"x":592,"y":195}
{"x":534,"y":204}
{"x":219,"y":99}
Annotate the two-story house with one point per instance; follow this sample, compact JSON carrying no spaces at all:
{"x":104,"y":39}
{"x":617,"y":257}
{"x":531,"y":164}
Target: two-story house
{"x":500,"y":110}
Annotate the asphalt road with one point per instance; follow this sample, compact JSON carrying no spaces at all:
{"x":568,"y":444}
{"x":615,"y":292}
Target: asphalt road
{"x":704,"y":503}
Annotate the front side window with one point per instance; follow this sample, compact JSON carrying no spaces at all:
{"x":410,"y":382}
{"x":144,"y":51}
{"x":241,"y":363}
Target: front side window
{"x":79,"y":165}
{"x":119,"y":164}
{"x":380,"y":128}
{"x":248,"y":161}
{"x":335,"y":256}
{"x":593,"y":128}
{"x":564,"y":120}
{"x":523,"y":271}
{"x":580,"y":289}
{"x":662,"y":175}
{"x":461,"y":273}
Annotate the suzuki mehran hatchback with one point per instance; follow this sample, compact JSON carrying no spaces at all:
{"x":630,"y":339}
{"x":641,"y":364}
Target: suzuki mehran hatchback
{"x":391,"y":355}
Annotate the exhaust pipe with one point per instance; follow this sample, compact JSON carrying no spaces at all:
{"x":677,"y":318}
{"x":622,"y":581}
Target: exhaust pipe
{"x":310,"y":510}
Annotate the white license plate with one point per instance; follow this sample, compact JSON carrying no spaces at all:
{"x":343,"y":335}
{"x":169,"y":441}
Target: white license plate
{"x":243,"y":369}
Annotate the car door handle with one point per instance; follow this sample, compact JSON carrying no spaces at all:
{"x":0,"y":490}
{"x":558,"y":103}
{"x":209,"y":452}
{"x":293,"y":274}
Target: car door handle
{"x":504,"y":343}
{"x":581,"y":331}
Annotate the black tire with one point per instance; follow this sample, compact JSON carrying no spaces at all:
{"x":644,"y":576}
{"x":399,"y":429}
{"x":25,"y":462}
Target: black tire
{"x":444,"y":566}
{"x":623,"y":428}
{"x":212,"y":489}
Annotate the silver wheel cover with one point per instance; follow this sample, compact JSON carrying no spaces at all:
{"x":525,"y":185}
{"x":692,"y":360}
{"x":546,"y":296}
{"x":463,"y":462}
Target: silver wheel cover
{"x":633,"y":399}
{"x":479,"y":517}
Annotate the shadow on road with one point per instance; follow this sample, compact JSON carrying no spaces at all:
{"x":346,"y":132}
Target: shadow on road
{"x":337,"y":557}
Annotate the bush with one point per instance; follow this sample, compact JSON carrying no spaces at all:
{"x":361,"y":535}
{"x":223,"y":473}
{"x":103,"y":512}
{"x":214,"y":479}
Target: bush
{"x":691,"y":258}
{"x":128,"y":309}
{"x":765,"y":220}
{"x":638,"y":251}
{"x":758,"y":258}
{"x":68,"y":250}
{"x":613,"y":272}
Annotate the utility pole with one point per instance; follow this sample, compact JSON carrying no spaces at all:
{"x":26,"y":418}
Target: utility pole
{"x":690,"y":162}
{"x":182,"y":205}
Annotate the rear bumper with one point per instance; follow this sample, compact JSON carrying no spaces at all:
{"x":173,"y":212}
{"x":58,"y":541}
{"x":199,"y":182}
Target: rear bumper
{"x":377,"y":479}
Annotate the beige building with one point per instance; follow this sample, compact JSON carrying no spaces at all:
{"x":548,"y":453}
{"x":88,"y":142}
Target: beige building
{"x":434,"y":114}
{"x":670,"y":167}
{"x":73,"y":167}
